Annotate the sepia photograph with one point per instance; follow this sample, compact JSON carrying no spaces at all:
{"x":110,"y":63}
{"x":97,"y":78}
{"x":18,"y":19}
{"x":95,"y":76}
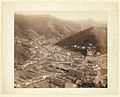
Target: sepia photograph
{"x":60,"y":49}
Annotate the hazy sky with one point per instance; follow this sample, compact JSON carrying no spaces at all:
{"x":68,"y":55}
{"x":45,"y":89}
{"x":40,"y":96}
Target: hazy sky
{"x":74,"y":15}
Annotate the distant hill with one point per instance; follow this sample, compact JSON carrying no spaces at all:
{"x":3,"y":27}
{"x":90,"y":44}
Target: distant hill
{"x":49,"y":26}
{"x":95,"y":35}
{"x":45,"y":25}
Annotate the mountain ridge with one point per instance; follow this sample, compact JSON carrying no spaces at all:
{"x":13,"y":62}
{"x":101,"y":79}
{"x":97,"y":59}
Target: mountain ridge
{"x":50,"y":26}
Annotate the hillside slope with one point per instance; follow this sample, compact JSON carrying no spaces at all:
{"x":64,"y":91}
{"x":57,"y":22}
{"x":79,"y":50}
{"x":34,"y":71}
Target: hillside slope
{"x":95,"y":35}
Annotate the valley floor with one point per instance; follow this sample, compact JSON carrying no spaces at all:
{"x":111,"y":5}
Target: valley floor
{"x":55,"y":67}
